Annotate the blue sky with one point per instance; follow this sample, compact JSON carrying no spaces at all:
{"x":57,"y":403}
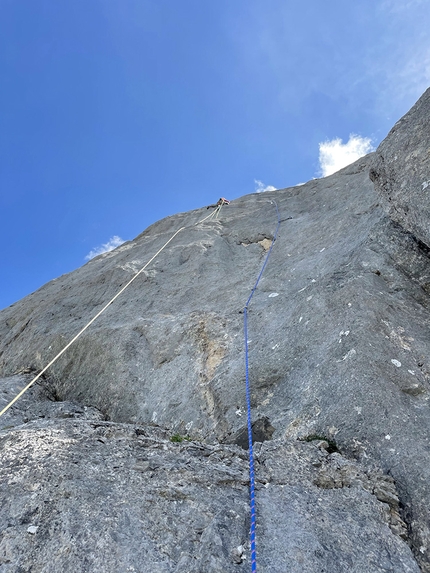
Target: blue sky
{"x":116,"y":113}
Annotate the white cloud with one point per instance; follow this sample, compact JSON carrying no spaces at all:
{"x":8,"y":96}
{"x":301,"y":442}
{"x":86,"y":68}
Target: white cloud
{"x":260,"y":187}
{"x":113,"y":242}
{"x":335,"y":154}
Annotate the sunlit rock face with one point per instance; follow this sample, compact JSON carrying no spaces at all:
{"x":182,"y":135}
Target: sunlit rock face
{"x":339,"y":372}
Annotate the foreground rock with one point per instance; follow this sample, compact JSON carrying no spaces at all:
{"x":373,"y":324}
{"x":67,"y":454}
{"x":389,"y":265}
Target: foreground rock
{"x":37,"y":404}
{"x":338,"y":332}
{"x":82,"y":496}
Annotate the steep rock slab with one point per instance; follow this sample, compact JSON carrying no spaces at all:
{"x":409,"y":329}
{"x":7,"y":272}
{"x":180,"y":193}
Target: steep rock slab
{"x":401,"y":171}
{"x":341,"y":298}
{"x":338,"y":330}
{"x":354,"y":348}
{"x":170,"y":350}
{"x":81,"y":496}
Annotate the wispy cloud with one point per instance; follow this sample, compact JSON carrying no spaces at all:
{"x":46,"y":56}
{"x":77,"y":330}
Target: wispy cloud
{"x":113,"y":242}
{"x":400,"y":69}
{"x":335,"y":154}
{"x":260,"y":187}
{"x":383,"y":75}
{"x":396,"y":6}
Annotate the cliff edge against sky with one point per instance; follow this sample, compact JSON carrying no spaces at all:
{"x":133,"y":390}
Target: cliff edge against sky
{"x":339,"y":344}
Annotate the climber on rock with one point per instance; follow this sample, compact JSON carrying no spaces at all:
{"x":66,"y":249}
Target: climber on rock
{"x":221,"y":201}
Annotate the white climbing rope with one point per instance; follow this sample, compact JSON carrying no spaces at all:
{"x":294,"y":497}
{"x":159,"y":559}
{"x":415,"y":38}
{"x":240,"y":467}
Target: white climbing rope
{"x":30,"y":384}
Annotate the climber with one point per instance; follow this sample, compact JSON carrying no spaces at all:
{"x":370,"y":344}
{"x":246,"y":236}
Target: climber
{"x":221,"y":201}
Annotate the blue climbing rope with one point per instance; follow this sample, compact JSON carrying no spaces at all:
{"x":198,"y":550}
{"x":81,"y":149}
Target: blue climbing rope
{"x":248,"y":403}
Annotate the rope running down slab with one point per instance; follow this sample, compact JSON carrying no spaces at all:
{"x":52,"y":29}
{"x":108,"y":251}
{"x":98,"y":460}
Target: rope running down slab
{"x":30,"y":384}
{"x":248,"y":403}
{"x":213,"y":215}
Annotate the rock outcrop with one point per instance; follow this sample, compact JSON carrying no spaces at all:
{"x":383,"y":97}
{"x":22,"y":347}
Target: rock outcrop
{"x":82,"y":495}
{"x":339,"y":370}
{"x":401,"y":171}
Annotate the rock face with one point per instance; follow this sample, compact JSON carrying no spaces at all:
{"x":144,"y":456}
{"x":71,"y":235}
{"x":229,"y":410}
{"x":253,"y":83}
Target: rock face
{"x":401,"y":170}
{"x":339,"y":371}
{"x":81,"y":496}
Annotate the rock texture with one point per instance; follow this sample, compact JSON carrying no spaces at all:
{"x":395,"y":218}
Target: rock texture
{"x":339,"y":369}
{"x":84,"y":496}
{"x":401,"y":170}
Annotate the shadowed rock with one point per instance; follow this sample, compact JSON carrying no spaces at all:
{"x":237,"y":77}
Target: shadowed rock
{"x":401,"y":170}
